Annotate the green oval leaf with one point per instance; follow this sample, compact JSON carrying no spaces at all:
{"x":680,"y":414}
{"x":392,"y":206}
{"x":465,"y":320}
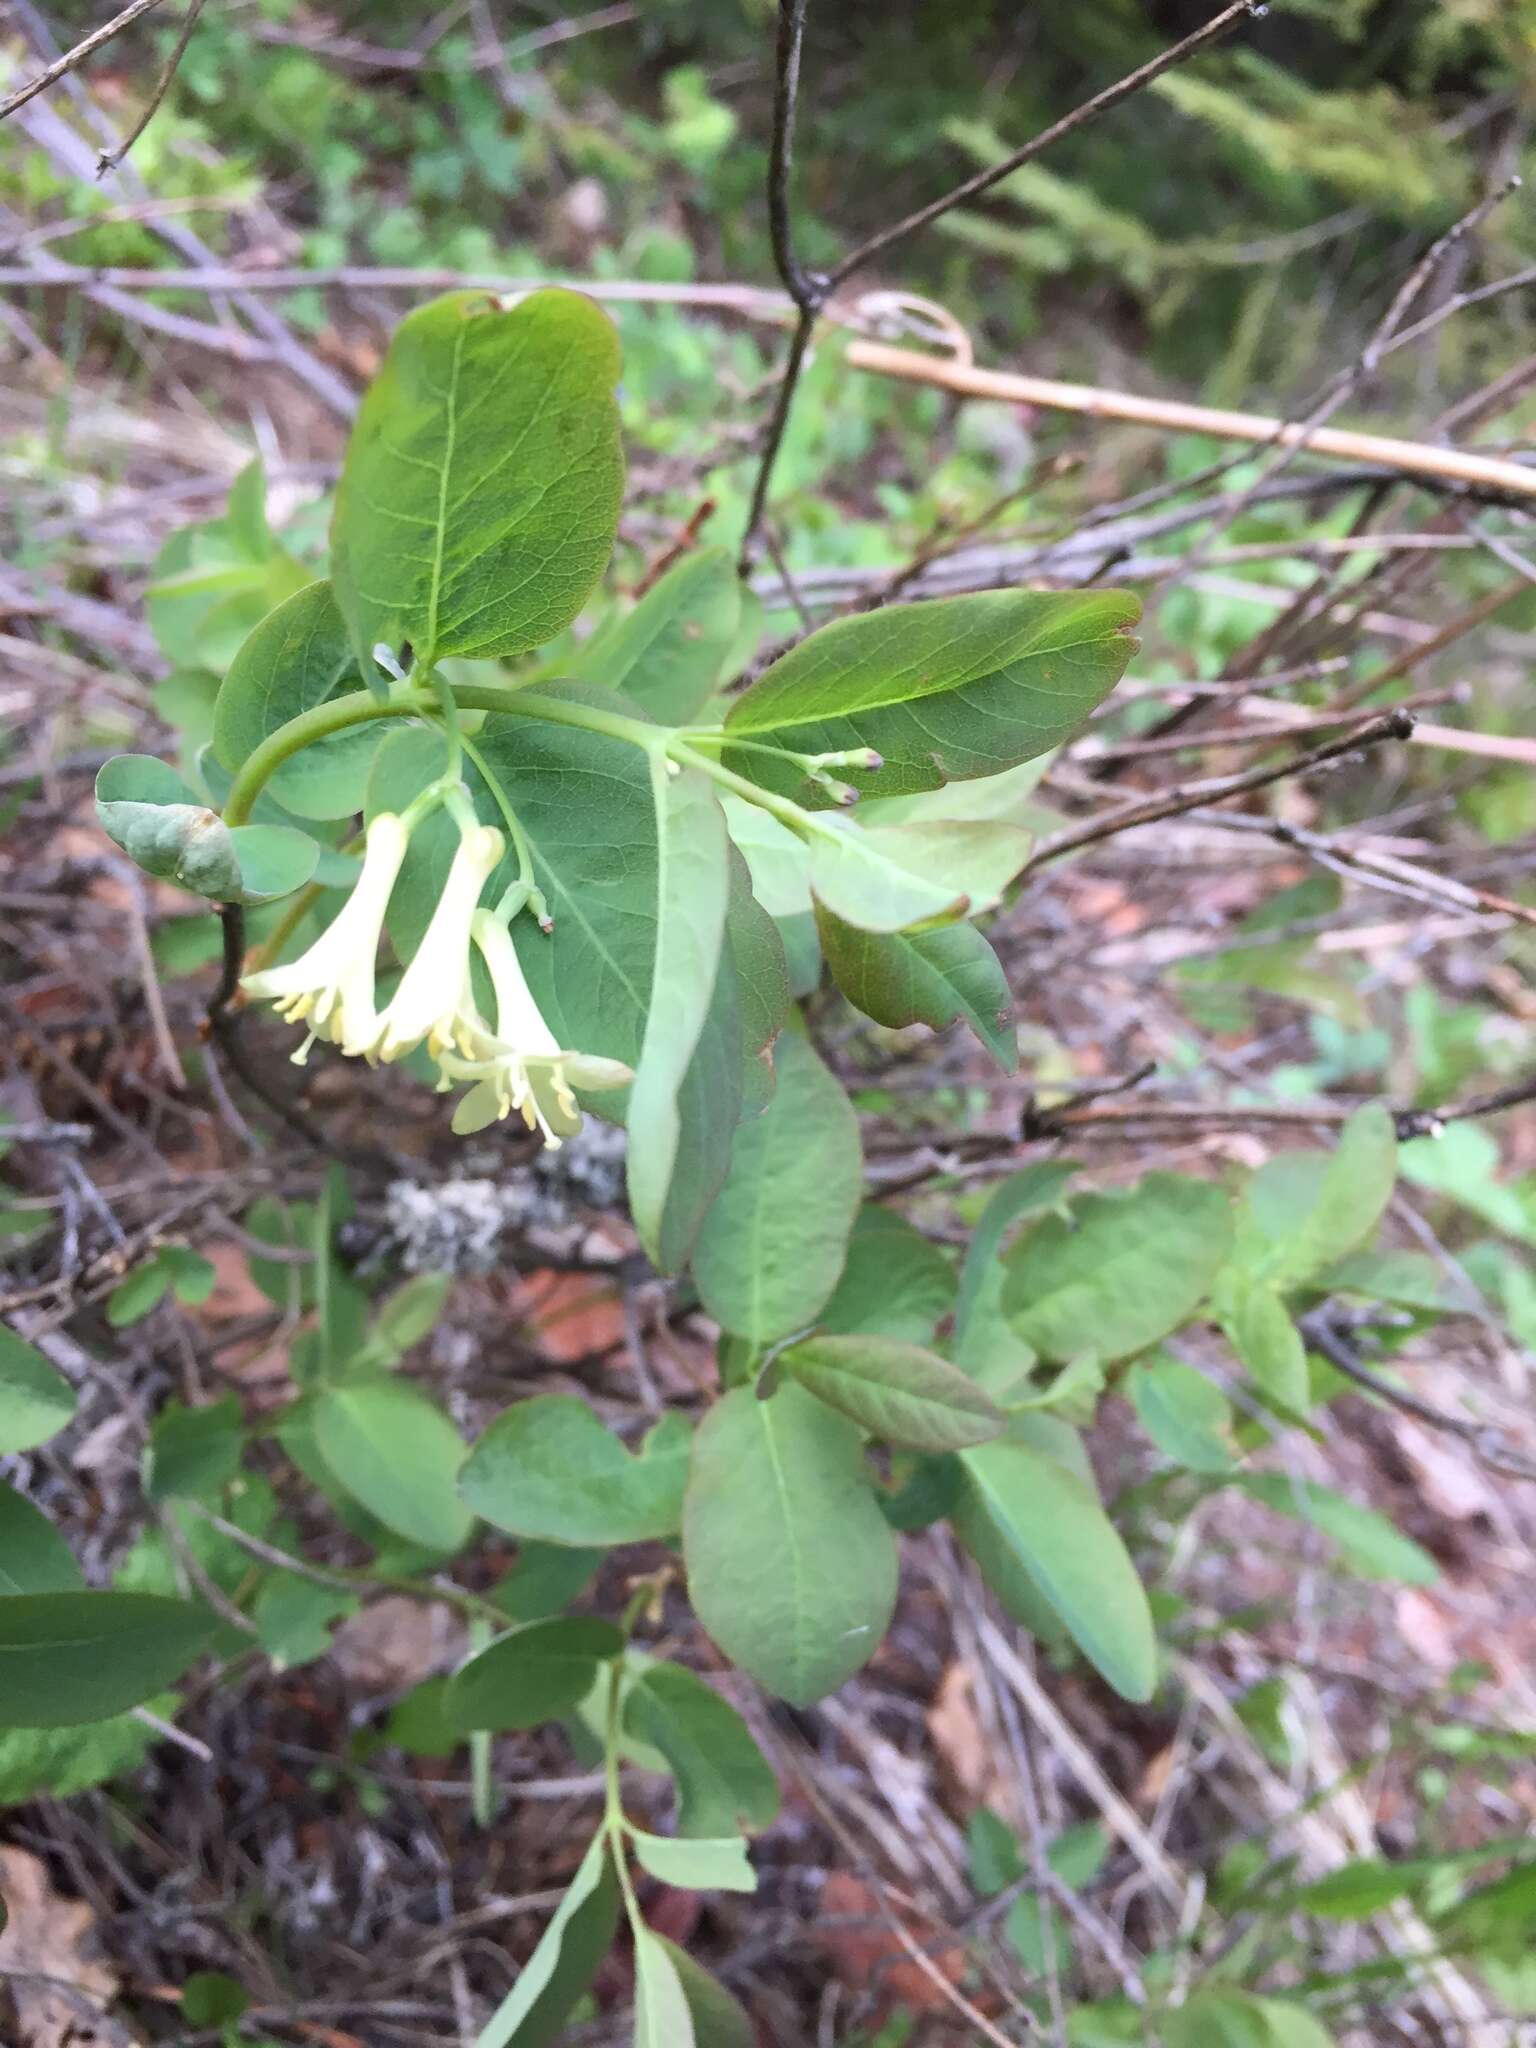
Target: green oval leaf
{"x":885,"y":878}
{"x":692,"y":887}
{"x":718,"y":2020}
{"x":35,"y":1399}
{"x":1304,"y":1210}
{"x":1073,"y":1553}
{"x":1260,"y":1330}
{"x":71,"y":1657}
{"x":896,"y":1282}
{"x":1186,"y":1415}
{"x":662,"y":2017}
{"x":274,"y":860}
{"x":565,"y":1961}
{"x":937,"y":978}
{"x":34,"y":1558}
{"x":1122,"y":1272}
{"x":791,"y":1566}
{"x":480,"y":493}
{"x":1218,"y":2017}
{"x":550,"y":1469}
{"x":194,"y":1452}
{"x":299,"y":656}
{"x":723,"y":1780}
{"x":398,"y":1454}
{"x":668,"y":651}
{"x":697,"y":1864}
{"x":1367,"y":1542}
{"x":145,"y":808}
{"x":771,"y":1249}
{"x":533,"y":1674}
{"x":955,"y":688}
{"x":138,"y":1292}
{"x":898,"y":1392}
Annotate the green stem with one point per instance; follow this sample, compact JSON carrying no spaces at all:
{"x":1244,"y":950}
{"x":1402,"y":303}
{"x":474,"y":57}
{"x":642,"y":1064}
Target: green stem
{"x":482,"y":1788}
{"x":354,"y":709}
{"x":801,"y":822}
{"x":614,"y":1823}
{"x":636,"y":732}
{"x":709,"y":736}
{"x":525,"y":890}
{"x":346,"y":1578}
{"x":453,"y":739}
{"x":361,"y":705}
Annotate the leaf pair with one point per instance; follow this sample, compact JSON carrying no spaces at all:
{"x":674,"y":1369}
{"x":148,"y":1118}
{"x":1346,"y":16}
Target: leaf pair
{"x":677,"y":2004}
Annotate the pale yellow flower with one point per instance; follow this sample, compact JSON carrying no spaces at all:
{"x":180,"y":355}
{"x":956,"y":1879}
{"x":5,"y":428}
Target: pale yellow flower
{"x":520,"y":1065}
{"x":331,"y":986}
{"x":433,"y":1001}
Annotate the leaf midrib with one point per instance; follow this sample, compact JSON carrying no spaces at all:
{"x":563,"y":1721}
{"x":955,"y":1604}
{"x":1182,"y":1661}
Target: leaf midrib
{"x":451,"y":396}
{"x":796,"y":1560}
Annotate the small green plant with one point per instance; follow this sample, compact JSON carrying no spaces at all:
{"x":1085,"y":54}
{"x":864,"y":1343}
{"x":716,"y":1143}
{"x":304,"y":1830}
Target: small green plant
{"x":580,"y":877}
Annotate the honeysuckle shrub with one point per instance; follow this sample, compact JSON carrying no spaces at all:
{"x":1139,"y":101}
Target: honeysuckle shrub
{"x":572,"y":878}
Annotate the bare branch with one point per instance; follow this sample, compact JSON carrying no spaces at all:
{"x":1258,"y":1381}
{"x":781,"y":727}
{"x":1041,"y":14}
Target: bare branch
{"x":1414,"y":657}
{"x":1178,"y":53}
{"x":77,"y":55}
{"x":1429,"y":1123}
{"x":1491,"y":1446}
{"x":110,"y":159}
{"x":1425,"y":461}
{"x":807,"y":292}
{"x":1396,"y":725}
{"x":222,"y":1022}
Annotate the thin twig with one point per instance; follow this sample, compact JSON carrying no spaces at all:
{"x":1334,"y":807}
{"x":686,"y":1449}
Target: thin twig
{"x":149,"y":979}
{"x":1267,"y":735}
{"x":1491,"y":1446}
{"x":1396,"y":725}
{"x":1391,"y":335}
{"x":1425,"y":461}
{"x":1429,"y":1123}
{"x":983,"y":181}
{"x":1383,"y":871}
{"x":1414,"y":657}
{"x":169,"y":1732}
{"x":380,"y":57}
{"x":77,"y":55}
{"x":807,"y":292}
{"x":110,"y":159}
{"x":1117,"y":1813}
{"x":1429,"y":462}
{"x":222,"y":1021}
{"x":1289,"y":444}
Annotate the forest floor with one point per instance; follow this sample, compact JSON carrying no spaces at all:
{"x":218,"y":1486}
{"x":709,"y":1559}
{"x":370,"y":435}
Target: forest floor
{"x":283,"y":1833}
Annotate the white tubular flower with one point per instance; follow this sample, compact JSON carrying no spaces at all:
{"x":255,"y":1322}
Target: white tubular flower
{"x":521,"y":1065}
{"x":433,"y":1001}
{"x":331,"y":986}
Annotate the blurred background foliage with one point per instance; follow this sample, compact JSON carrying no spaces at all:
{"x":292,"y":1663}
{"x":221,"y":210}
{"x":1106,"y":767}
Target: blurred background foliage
{"x":1232,"y":226}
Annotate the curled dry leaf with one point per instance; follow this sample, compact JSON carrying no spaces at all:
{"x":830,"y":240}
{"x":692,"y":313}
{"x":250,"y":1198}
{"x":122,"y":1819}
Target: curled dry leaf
{"x":866,"y":1950}
{"x":397,"y":1642}
{"x":957,"y":1734}
{"x":54,"y":1988}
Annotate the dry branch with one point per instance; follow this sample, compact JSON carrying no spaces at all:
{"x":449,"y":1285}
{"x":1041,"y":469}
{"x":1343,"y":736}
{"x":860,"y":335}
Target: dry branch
{"x":83,"y":49}
{"x":1456,"y":466}
{"x":1432,"y":463}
